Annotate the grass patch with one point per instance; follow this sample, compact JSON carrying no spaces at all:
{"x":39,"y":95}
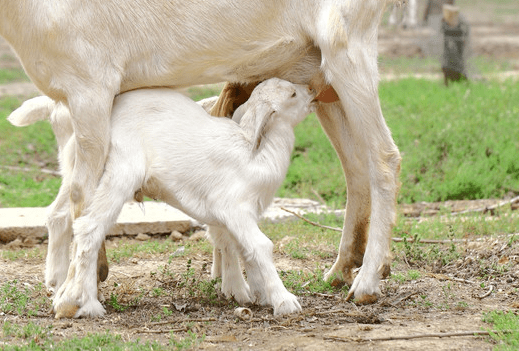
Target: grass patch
{"x":9,"y":75}
{"x":506,"y":325}
{"x":458,"y":227}
{"x":22,"y":299}
{"x":33,"y":337}
{"x":310,"y":283}
{"x":455,"y":142}
{"x":29,"y":148}
{"x":136,"y":249}
{"x":32,"y":253}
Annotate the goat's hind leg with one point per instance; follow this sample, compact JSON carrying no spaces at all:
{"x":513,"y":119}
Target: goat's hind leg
{"x":256,"y":250}
{"x":350,"y":65}
{"x":226,"y":264}
{"x":91,"y":121}
{"x":356,"y":221}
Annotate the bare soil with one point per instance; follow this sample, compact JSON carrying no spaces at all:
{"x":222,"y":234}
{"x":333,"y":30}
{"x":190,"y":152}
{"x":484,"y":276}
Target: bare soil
{"x":443,"y":299}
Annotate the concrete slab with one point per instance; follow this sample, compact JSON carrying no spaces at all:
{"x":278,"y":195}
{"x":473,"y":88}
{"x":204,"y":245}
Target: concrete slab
{"x":157,"y":218}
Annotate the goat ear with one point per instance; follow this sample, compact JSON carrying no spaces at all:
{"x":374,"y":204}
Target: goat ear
{"x":262,"y":113}
{"x":238,"y":114}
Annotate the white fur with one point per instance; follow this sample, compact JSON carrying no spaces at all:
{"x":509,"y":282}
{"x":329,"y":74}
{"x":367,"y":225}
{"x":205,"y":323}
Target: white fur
{"x":83,"y":53}
{"x":215,"y":170}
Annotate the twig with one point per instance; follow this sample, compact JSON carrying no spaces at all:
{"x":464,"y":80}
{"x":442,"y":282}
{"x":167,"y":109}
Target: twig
{"x":396,"y":302}
{"x":208,"y":319}
{"x":311,"y":222}
{"x":26,"y":169}
{"x":431,"y":241}
{"x":446,"y":277}
{"x":487,"y":293}
{"x":417,"y":336}
{"x":319,"y":197}
{"x":143,"y":331}
{"x":409,"y":240}
{"x":162,"y":322}
{"x":329,"y":296}
{"x":345,"y":313}
{"x":463,"y":280}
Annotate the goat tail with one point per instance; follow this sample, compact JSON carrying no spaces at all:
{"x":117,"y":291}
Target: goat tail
{"x":32,"y":111}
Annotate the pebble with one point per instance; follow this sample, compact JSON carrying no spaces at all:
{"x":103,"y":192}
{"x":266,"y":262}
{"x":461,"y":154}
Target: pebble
{"x":176,"y":236}
{"x":142,"y":237}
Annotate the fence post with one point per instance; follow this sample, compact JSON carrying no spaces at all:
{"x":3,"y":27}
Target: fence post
{"x":455,"y":33}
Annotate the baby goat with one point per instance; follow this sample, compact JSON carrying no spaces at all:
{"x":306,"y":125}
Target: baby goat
{"x":214,"y":169}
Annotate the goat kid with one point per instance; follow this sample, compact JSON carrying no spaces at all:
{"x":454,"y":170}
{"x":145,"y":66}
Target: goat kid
{"x":83,"y":53}
{"x":214,"y":169}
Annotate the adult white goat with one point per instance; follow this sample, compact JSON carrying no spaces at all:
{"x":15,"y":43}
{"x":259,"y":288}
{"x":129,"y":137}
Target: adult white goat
{"x":219,"y":172}
{"x":83,"y":53}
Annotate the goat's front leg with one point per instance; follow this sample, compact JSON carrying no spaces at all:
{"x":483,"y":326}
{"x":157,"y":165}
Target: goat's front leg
{"x":256,"y":250}
{"x":352,"y":70}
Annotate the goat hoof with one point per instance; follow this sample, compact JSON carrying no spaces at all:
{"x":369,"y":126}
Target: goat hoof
{"x":337,"y":282}
{"x":92,"y":308}
{"x":363,"y":299}
{"x":338,"y":277}
{"x":287,"y":306}
{"x":66,"y":310}
{"x":102,"y":264}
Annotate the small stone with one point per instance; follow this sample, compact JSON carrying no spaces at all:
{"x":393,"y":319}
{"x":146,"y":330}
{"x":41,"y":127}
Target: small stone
{"x":142,"y":237}
{"x":198,"y":235}
{"x":175,"y":236}
{"x":15,"y":244}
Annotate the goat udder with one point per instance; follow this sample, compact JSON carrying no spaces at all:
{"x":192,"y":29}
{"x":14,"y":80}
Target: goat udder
{"x":327,"y":95}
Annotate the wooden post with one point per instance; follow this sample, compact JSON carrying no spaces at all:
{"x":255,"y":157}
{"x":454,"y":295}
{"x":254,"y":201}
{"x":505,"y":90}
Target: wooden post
{"x":455,"y":33}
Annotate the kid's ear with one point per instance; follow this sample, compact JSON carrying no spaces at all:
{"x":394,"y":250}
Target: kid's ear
{"x":259,"y":115}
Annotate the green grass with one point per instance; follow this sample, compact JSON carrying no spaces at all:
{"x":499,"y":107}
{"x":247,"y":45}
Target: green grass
{"x":458,"y":142}
{"x":431,"y":65}
{"x":26,"y":148}
{"x":31,"y":253}
{"x":9,"y":75}
{"x":33,"y":337}
{"x":21,"y":299}
{"x":506,"y":325}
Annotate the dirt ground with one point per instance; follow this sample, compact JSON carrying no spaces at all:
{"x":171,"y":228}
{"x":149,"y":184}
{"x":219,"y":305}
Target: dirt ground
{"x":442,"y":299}
{"x":439,"y":298}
